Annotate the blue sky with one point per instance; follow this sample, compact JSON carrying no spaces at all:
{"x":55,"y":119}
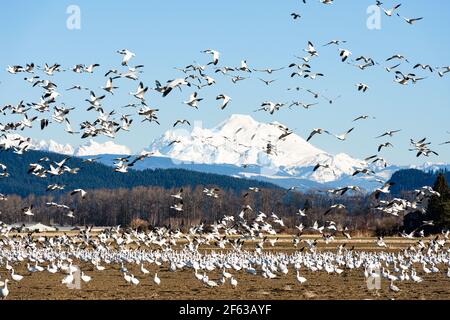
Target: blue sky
{"x":165,"y":34}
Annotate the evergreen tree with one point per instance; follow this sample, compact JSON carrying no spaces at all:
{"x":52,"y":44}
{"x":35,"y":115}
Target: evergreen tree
{"x":307,"y":205}
{"x":439,"y":207}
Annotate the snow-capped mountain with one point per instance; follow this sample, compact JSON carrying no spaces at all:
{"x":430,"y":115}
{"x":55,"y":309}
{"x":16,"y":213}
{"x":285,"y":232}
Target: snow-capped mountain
{"x":53,"y":146}
{"x":91,"y":148}
{"x":238,"y":147}
{"x":242,"y":141}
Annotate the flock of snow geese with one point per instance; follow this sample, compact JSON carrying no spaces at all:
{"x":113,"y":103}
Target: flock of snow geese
{"x":125,"y":246}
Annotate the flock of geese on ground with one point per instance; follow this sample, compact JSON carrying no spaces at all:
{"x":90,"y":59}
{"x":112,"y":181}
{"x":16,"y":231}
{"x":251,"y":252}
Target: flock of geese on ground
{"x":58,"y":252}
{"x":123,"y":249}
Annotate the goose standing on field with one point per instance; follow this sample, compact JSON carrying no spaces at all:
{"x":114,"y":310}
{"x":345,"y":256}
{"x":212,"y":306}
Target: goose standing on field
{"x":4,"y":291}
{"x":156,"y":279}
{"x":143,"y":270}
{"x":300,"y":279}
{"x":393,"y":287}
{"x":85,"y":277}
{"x":15,"y":277}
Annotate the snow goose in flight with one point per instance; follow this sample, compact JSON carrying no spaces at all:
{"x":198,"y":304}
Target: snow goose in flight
{"x":311,"y":50}
{"x":334,"y":207}
{"x":270,"y":107}
{"x":304,"y":105}
{"x":312,"y":76}
{"x":178,"y":206}
{"x":389,"y":69}
{"x":363,"y":117}
{"x":178,"y":195}
{"x":334,"y":42}
{"x":50,"y":70}
{"x":80,"y":191}
{"x":68,"y":128}
{"x":444,"y":71}
{"x":109,"y":86}
{"x":14,"y":69}
{"x":342,"y":191}
{"x":343,"y":137}
{"x":385,"y":145}
{"x":362,"y":87}
{"x":317,"y":131}
{"x":390,"y":12}
{"x":244,"y":67}
{"x":224,"y":70}
{"x":410,"y":21}
{"x":127,"y":55}
{"x":90,"y":68}
{"x":27,"y":211}
{"x":424,"y":67}
{"x":171,"y":84}
{"x":193,"y":100}
{"x":181,"y":122}
{"x":54,"y":187}
{"x":215,"y":54}
{"x":325,"y":166}
{"x":268,"y":70}
{"x":267,"y":82}
{"x":398,"y":57}
{"x":140,"y":92}
{"x":384,"y":190}
{"x":226,"y":99}
{"x":94,"y":101}
{"x":388,"y":133}
{"x":363,"y":171}
{"x":344,"y":54}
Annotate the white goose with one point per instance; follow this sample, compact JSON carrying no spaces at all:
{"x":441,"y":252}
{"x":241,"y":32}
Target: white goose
{"x":85,"y":277}
{"x":16,"y":277}
{"x":4,"y":291}
{"x":156,"y":279}
{"x":143,"y":270}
